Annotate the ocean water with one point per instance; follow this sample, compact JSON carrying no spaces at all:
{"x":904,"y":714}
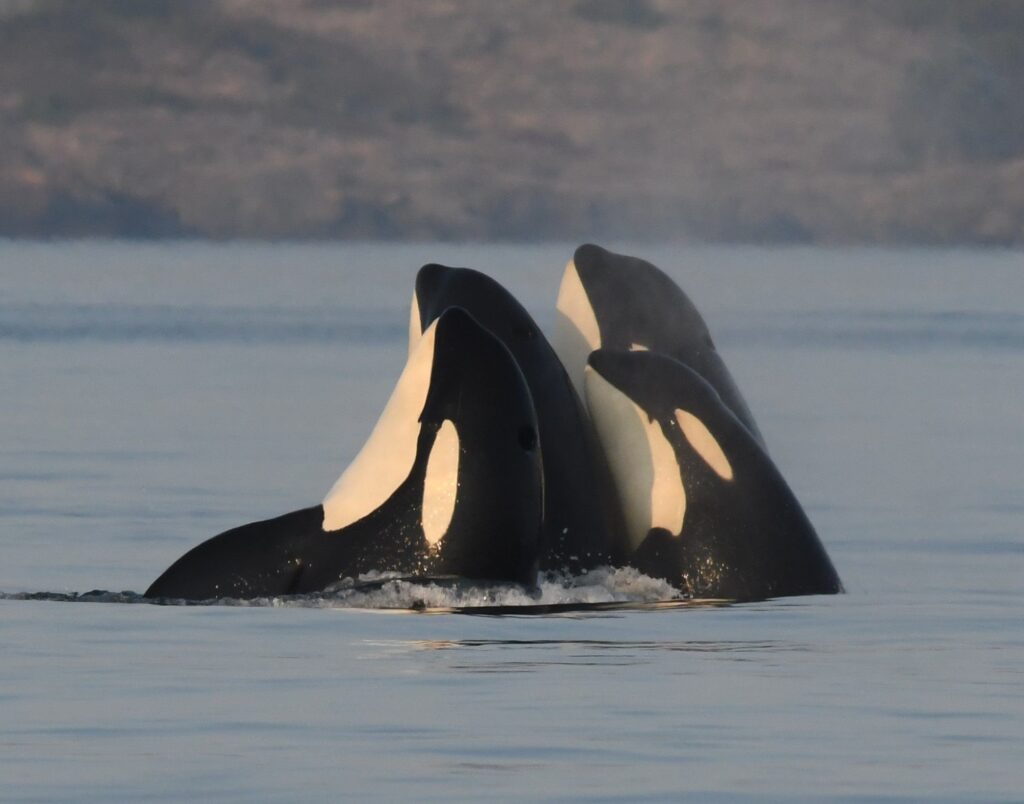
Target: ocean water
{"x":153,"y":395}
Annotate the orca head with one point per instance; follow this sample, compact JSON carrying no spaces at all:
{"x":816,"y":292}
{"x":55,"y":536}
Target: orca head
{"x":611,"y":301}
{"x":439,"y":287}
{"x":578,"y":517}
{"x":448,"y":483}
{"x":619,"y":302}
{"x":673,"y":393}
{"x":479,"y":392}
{"x":720,"y":519}
{"x":459,"y":439}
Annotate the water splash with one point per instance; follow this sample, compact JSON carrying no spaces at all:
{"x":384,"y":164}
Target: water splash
{"x":604,"y":587}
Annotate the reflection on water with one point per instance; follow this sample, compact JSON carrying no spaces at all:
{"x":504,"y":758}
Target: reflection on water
{"x":876,"y":329}
{"x":595,"y":652}
{"x":692,"y":646}
{"x":529,"y":655}
{"x":154,"y":323}
{"x":859,"y":329}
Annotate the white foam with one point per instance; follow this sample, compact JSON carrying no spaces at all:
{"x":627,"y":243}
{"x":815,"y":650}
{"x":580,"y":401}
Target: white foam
{"x":384,"y":591}
{"x":602,"y":585}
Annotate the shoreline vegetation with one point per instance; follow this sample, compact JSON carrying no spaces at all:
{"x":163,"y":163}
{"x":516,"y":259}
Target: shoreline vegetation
{"x":791,"y":122}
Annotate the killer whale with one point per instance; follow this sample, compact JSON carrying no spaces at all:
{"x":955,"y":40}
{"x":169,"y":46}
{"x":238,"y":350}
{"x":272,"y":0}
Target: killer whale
{"x":579,"y":517}
{"x":449,"y":483}
{"x":485,"y":465}
{"x":612,"y":301}
{"x":705,"y":506}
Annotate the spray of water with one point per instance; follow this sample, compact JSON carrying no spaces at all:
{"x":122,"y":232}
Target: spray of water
{"x":601,"y":588}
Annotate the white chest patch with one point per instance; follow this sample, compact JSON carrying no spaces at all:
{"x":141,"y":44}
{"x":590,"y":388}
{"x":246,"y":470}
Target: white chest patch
{"x":641,"y":459}
{"x":441,"y":484}
{"x":388,"y":455}
{"x":576,"y":331}
{"x":704,"y":444}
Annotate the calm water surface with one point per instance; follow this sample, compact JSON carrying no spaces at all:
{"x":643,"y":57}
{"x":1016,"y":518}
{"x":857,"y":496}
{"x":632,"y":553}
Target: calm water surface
{"x":155,"y":395}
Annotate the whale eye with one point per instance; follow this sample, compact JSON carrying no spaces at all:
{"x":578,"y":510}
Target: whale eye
{"x":527,"y":438}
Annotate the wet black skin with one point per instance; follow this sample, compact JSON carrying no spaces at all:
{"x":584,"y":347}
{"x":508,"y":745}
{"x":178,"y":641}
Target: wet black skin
{"x":744,"y":539}
{"x":580,"y":516}
{"x":494,"y":533}
{"x":634,"y":302}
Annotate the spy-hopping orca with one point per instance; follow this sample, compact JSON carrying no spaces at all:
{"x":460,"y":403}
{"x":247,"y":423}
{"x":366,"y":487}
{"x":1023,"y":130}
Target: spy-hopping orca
{"x":705,"y":506}
{"x":450,"y":482}
{"x":612,"y":301}
{"x":579,"y":515}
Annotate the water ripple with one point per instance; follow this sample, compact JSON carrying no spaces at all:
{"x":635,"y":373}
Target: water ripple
{"x":48,"y":323}
{"x":601,"y":590}
{"x":876,"y":329}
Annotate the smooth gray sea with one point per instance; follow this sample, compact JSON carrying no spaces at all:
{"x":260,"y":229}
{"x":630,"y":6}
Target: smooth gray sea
{"x":154,"y":395}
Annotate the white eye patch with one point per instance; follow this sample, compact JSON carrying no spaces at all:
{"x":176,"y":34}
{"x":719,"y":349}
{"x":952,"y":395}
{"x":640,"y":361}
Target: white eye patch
{"x":704,"y":444}
{"x":441,"y":484}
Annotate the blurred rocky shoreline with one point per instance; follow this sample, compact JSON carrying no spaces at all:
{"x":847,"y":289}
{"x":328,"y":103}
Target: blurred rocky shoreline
{"x":816,"y":121}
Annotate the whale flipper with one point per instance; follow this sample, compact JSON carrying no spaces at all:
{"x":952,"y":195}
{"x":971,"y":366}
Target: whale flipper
{"x":705,"y":506}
